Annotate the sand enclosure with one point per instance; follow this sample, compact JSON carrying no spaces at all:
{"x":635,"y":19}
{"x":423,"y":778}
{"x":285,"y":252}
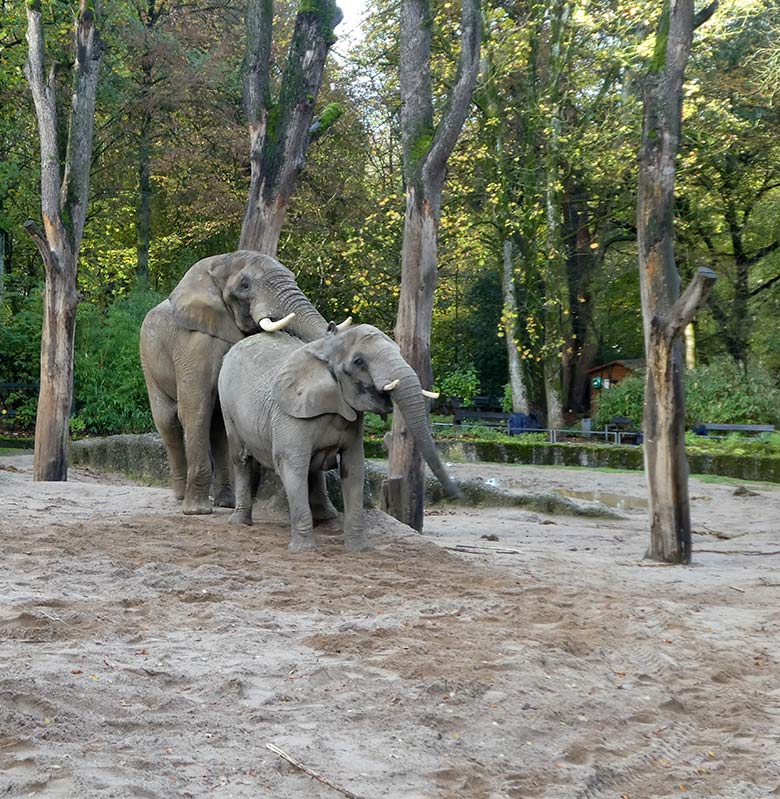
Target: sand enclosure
{"x":148,"y":654}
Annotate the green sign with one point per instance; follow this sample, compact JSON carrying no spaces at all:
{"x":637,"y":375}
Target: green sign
{"x":597,"y":382}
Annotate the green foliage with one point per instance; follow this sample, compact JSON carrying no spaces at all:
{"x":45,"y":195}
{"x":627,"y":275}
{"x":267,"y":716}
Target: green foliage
{"x":625,"y":399}
{"x":721,"y":392}
{"x":463,"y":383}
{"x":374,"y":425}
{"x":724,"y":393}
{"x":110,"y":390}
{"x":506,"y":400}
{"x":21,"y":313}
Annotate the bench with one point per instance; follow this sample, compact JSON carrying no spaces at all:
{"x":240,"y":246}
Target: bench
{"x":706,"y":429}
{"x":484,"y":418}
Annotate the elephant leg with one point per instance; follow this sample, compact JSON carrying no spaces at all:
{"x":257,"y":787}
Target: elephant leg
{"x":295,"y":478}
{"x":197,"y":425}
{"x":243,"y":472}
{"x":167,"y":423}
{"x":223,"y":488}
{"x":321,"y":507}
{"x":352,"y":468}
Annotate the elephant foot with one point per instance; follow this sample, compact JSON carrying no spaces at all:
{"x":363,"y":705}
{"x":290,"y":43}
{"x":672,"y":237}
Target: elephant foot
{"x":196,"y":507}
{"x":324,"y":514}
{"x":302,"y":543}
{"x":225,"y":498}
{"x":241,"y":517}
{"x":356,"y":543}
{"x":179,"y":489}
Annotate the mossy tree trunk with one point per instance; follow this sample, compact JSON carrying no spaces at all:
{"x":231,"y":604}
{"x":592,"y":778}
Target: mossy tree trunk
{"x":665,"y":313}
{"x":426,"y":149}
{"x":281,"y":130}
{"x":64,"y":194}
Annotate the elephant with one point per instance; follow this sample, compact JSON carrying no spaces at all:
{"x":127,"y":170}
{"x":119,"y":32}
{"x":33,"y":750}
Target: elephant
{"x":218,"y":302}
{"x":298,"y":408}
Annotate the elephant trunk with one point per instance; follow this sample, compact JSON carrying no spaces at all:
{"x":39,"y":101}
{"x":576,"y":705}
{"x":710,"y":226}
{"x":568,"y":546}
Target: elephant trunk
{"x":408,"y":397}
{"x":308,"y":323}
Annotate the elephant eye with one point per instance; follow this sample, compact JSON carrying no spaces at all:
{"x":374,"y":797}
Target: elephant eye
{"x":244,"y":285}
{"x":359,"y":362}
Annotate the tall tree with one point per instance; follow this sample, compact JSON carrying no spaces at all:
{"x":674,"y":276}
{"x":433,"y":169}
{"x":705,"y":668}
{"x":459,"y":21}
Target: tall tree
{"x":664,"y":311}
{"x":280,"y":131}
{"x":426,"y":149}
{"x":64,"y":193}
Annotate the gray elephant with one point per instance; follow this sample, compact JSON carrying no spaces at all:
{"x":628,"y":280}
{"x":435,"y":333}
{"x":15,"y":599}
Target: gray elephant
{"x":217,"y":303}
{"x":298,"y":408}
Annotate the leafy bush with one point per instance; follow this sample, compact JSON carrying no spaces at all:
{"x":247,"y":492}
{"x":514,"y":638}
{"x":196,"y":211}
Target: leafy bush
{"x":625,"y":399}
{"x":20,"y":333}
{"x":724,"y":393}
{"x":109,"y":385}
{"x":463,"y":383}
{"x":373,"y":425}
{"x":719,"y":393}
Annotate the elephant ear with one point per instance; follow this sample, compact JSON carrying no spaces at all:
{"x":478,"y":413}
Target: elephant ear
{"x":305,"y":387}
{"x":198,"y":305}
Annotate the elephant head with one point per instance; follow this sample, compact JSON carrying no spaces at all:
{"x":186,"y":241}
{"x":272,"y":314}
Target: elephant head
{"x":356,"y":370}
{"x":235,"y":295}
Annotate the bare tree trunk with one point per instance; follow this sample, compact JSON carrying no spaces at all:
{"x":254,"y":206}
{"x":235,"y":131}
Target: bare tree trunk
{"x":509,"y":319}
{"x":64,"y":207}
{"x":425,"y":152}
{"x":664,"y":312}
{"x":554,"y":280}
{"x":280,"y":133}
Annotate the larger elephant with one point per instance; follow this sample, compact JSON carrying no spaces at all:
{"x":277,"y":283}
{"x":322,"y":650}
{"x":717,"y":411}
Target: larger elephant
{"x":298,"y":408}
{"x":217,"y":303}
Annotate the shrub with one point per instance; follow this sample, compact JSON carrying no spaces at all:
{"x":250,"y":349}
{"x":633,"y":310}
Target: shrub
{"x":109,"y":385}
{"x":463,"y":383}
{"x":625,"y":399}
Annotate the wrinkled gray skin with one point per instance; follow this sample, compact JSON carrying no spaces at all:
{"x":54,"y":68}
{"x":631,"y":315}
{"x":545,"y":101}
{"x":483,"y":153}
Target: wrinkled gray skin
{"x":298,"y":408}
{"x":217,"y":303}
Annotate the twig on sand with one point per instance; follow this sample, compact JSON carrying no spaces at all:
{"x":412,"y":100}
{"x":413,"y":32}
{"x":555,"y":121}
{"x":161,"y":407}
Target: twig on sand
{"x":736,"y":588}
{"x":739,"y":552}
{"x":477,"y":549}
{"x":313,"y":774}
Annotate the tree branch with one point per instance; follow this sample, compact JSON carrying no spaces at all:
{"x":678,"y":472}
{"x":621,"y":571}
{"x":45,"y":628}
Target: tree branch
{"x":762,"y":252}
{"x":449,"y":127}
{"x":704,"y":14}
{"x":688,"y":303}
{"x":765,"y":285}
{"x":75,"y":183}
{"x":46,"y":112}
{"x":259,"y":36}
{"x":37,"y":235}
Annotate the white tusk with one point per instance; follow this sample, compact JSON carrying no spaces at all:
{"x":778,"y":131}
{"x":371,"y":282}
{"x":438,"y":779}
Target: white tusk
{"x":272,"y":327}
{"x":431,"y":394}
{"x":345,"y":324}
{"x":391,"y":386}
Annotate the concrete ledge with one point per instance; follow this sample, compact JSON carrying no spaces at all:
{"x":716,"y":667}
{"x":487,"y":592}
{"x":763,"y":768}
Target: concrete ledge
{"x":142,"y":457}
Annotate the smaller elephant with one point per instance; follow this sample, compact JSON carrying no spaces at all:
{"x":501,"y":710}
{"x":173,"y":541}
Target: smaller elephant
{"x":298,"y":408}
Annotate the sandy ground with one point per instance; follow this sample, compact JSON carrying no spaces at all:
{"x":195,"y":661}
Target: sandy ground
{"x":148,"y":654}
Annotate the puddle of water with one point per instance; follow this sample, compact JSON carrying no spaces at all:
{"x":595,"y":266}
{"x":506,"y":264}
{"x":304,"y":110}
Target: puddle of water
{"x":619,"y":501}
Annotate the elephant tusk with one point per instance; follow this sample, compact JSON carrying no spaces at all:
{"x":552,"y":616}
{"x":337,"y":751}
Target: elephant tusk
{"x":431,"y":394}
{"x":345,"y":324}
{"x":391,"y":386}
{"x":272,"y":327}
